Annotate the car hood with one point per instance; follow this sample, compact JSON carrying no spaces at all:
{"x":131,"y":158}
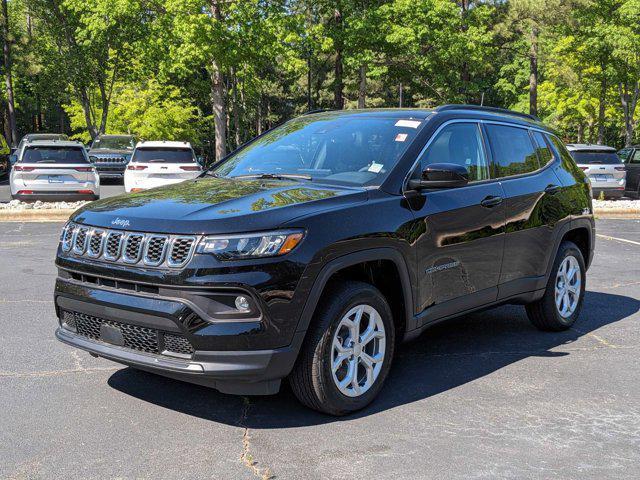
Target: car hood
{"x":216,"y":205}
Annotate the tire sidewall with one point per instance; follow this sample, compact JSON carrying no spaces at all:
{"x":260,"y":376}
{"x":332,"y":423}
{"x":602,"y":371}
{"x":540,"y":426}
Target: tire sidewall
{"x":366,"y":296}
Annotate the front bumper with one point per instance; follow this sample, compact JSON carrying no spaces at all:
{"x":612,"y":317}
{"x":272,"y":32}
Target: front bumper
{"x":238,"y":373}
{"x":232,"y":355}
{"x":55,"y":197}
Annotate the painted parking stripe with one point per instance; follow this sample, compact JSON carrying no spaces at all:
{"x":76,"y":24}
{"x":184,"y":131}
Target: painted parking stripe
{"x":606,"y":237}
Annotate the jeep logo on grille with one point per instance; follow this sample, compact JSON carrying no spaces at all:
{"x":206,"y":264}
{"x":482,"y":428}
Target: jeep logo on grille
{"x":121,"y":222}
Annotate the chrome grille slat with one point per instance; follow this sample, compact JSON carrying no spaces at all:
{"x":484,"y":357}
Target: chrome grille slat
{"x":96,"y":240}
{"x":133,"y":247}
{"x":113,"y":245}
{"x":120,"y":246}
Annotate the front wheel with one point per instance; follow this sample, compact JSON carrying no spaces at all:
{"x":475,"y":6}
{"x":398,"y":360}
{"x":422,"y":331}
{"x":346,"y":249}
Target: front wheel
{"x":561,"y":303}
{"x":348,"y":350}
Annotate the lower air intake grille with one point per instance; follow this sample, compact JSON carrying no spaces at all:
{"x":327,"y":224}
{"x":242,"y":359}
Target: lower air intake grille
{"x":177,"y":344}
{"x":135,"y":337}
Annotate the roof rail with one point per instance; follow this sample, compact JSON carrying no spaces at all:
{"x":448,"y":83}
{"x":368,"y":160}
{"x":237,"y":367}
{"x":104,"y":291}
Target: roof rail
{"x":319,"y":110}
{"x":482,"y":108}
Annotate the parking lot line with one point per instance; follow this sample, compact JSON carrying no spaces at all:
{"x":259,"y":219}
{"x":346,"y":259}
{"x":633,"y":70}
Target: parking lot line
{"x":607,"y":237}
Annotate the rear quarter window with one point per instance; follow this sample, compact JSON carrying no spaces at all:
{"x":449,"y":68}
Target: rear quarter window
{"x":54,"y":155}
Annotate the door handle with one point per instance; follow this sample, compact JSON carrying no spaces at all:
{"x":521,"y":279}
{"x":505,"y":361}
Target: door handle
{"x":552,"y":189}
{"x":491,"y":201}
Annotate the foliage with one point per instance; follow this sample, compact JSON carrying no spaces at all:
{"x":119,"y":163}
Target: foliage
{"x":149,"y":67}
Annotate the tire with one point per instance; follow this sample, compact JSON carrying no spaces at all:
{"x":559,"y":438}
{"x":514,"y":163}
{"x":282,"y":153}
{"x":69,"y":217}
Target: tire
{"x":313,"y":380}
{"x":545,"y":313}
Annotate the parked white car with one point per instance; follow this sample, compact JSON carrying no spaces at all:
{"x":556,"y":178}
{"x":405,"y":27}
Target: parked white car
{"x":154,"y":164}
{"x":54,"y":170}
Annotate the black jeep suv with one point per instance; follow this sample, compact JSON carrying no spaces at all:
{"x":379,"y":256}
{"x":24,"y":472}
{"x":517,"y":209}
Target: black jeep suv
{"x":311,"y":252}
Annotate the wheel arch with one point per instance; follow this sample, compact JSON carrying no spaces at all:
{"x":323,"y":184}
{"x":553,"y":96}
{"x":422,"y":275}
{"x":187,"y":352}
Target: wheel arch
{"x":357,"y":266}
{"x":579,"y":231}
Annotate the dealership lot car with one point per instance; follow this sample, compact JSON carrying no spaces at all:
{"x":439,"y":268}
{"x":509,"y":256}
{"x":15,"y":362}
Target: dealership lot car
{"x":154,"y":164}
{"x":111,"y":153}
{"x":603,"y":167}
{"x":54,"y":170}
{"x":312,"y":251}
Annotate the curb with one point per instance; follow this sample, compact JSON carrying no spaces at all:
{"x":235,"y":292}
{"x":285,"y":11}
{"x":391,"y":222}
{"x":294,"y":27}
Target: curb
{"x":40,"y":215}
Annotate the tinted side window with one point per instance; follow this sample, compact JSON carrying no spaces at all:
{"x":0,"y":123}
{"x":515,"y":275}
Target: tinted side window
{"x":624,"y":154}
{"x":542,"y":147}
{"x":513,"y":152}
{"x":636,"y":157}
{"x":459,"y":143}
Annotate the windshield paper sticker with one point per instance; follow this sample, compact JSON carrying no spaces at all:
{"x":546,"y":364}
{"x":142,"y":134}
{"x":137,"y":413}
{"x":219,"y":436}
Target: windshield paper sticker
{"x":401,"y":137}
{"x":375,"y":167}
{"x":408,"y":123}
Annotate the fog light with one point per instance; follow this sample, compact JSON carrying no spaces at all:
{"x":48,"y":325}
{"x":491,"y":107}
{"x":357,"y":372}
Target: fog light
{"x":242,"y":303}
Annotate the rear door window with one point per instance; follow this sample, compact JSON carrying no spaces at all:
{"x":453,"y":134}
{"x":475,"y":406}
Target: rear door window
{"x":636,"y":157}
{"x":53,"y":155}
{"x":163,"y":155}
{"x":512,"y":149}
{"x":585,"y":157}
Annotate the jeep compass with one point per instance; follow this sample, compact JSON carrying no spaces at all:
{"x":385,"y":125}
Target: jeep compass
{"x":310,"y":253}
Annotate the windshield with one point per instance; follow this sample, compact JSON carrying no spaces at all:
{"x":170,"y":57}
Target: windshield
{"x":163,"y":155}
{"x":65,"y":155}
{"x":46,"y":136}
{"x":114,"y":143}
{"x":355,"y":150}
{"x":604,"y":158}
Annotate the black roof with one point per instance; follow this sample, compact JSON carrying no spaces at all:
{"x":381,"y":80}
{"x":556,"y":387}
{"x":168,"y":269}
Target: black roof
{"x":423,"y":113}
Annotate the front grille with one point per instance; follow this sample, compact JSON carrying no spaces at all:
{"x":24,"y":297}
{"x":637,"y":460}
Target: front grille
{"x":181,"y":250}
{"x":133,"y":247}
{"x":135,"y":337}
{"x":150,"y":249}
{"x":110,"y":159}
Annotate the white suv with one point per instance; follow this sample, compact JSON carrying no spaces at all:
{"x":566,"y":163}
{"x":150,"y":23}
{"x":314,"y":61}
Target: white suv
{"x":604,"y":168}
{"x":54,"y":170}
{"x":154,"y":164}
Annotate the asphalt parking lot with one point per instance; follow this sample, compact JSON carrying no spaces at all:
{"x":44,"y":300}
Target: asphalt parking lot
{"x":484,"y":396}
{"x":108,"y":188}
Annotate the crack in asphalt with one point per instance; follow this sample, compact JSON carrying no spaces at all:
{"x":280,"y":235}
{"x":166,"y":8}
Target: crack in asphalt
{"x":246,"y":457}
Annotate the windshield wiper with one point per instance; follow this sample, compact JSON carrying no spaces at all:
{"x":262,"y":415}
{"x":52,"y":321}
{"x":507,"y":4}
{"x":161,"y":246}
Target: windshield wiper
{"x":274,"y":176}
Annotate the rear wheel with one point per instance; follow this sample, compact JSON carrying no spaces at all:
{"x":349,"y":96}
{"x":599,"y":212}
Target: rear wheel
{"x":347,"y":353}
{"x":560,"y":306}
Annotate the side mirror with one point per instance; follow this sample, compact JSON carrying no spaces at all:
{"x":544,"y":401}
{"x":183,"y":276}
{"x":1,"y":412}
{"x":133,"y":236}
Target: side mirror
{"x":441,"y":175}
{"x":13,"y":158}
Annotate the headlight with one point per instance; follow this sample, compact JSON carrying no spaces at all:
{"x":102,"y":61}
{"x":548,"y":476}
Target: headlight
{"x":251,"y":245}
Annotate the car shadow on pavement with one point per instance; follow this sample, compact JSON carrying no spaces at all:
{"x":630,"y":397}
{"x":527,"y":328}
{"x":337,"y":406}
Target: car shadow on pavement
{"x":444,"y":357}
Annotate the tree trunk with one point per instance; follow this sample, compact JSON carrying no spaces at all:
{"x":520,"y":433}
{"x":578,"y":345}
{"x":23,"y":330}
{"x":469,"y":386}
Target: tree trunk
{"x":259,"y":117}
{"x":533,"y":72}
{"x":11,"y":113}
{"x":601,"y":107}
{"x":629,"y":101}
{"x":217,"y":96}
{"x":580,"y":132}
{"x":86,"y":109}
{"x":236,"y":113}
{"x":362,"y":90}
{"x":338,"y":91}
